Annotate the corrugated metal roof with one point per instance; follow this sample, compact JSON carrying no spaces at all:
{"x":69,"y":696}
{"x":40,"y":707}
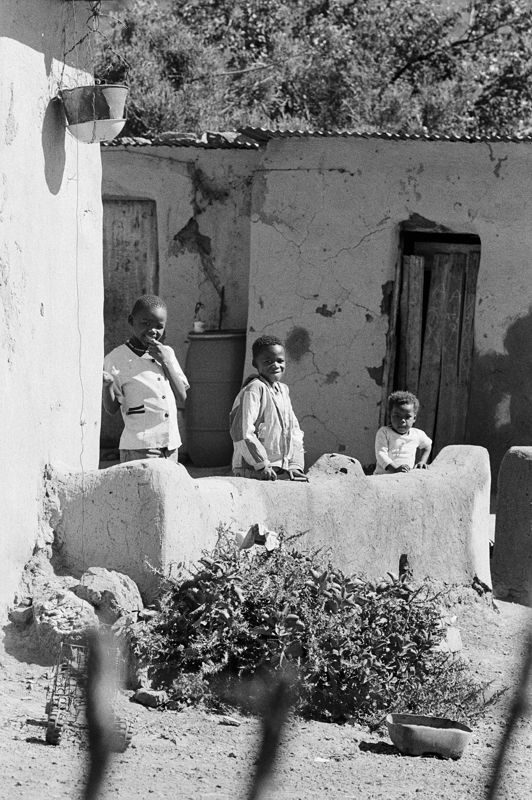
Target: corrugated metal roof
{"x":249,"y":138}
{"x":264,"y":135}
{"x":232,"y":140}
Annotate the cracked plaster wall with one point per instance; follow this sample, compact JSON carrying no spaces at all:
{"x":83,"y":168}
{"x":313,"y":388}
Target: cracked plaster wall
{"x":324,"y":243}
{"x":202,"y":199}
{"x":50,"y":273}
{"x":311,"y":227}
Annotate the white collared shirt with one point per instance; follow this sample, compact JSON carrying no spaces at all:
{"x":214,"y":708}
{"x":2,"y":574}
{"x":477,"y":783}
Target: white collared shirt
{"x":147,"y":402}
{"x":398,"y":448}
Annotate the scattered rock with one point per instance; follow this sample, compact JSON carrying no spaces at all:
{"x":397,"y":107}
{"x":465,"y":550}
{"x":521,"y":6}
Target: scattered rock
{"x":111,"y":593}
{"x":146,"y":614}
{"x":258,"y":534}
{"x":150,"y":697}
{"x":39,"y":580}
{"x":38,"y":574}
{"x":451,"y":642}
{"x":61,"y":614}
{"x":229,"y":721}
{"x":335,"y":464}
{"x":21,"y":615}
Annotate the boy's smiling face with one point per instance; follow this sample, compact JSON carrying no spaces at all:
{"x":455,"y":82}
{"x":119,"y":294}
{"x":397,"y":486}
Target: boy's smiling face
{"x":402,"y":417}
{"x":148,"y":324}
{"x":270,"y":363}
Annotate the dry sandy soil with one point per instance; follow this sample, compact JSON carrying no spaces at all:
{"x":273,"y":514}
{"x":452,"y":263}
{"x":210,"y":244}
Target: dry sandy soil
{"x":194,"y":756}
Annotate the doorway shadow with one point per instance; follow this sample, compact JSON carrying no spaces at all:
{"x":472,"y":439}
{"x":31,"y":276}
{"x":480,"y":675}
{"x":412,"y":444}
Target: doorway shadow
{"x":500,"y":411}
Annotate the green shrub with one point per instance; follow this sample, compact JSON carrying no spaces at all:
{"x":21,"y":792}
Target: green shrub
{"x":355,"y":648}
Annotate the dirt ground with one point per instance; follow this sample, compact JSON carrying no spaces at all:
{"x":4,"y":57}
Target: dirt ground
{"x":193,"y":755}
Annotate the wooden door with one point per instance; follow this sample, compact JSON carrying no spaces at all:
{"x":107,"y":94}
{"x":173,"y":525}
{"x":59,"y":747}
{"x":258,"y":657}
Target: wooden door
{"x":434,"y":339}
{"x":130,"y":264}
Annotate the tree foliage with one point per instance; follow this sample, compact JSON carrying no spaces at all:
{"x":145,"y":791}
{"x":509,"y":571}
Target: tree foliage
{"x":410,"y":66}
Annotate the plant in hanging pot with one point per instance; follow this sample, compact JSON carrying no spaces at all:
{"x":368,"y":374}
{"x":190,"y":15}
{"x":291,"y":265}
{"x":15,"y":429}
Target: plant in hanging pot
{"x":94,"y":113}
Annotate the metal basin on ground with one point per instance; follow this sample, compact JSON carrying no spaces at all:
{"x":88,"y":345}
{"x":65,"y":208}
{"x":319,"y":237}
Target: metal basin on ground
{"x":417,"y":735}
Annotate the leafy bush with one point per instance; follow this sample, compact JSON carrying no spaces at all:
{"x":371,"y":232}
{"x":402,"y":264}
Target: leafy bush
{"x":355,"y":648}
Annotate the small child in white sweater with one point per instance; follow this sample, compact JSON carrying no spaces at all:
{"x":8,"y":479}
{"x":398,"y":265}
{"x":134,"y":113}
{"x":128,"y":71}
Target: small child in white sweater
{"x":399,"y":447}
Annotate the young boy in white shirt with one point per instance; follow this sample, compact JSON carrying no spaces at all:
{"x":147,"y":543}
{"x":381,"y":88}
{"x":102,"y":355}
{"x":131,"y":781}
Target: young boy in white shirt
{"x":143,"y":379}
{"x":399,"y":447}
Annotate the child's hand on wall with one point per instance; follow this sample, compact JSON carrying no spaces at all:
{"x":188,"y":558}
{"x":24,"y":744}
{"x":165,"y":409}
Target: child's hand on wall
{"x":107,"y":378}
{"x":297,"y":475}
{"x":268,"y":474}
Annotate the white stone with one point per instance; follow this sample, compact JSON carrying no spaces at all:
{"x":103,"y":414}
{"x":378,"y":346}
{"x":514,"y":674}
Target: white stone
{"x":150,"y":697}
{"x":112,"y":594}
{"x":61,"y":615}
{"x":451,"y":642}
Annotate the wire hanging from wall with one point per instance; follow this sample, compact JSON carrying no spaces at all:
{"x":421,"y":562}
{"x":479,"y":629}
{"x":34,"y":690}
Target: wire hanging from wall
{"x":94,"y":111}
{"x":82,"y":420}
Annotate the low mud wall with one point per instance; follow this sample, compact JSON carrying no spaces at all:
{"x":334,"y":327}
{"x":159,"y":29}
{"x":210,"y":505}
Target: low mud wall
{"x":145,"y":515}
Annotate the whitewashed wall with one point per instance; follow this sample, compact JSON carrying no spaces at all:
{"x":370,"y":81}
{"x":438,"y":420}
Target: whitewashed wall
{"x":51,"y":327}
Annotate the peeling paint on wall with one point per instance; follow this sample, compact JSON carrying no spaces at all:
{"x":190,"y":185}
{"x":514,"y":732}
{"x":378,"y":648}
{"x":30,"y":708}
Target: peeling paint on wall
{"x":189,"y":239}
{"x":325,"y":311}
{"x":332,"y":376}
{"x":9,"y":307}
{"x":376,"y":373}
{"x":206,"y":192}
{"x":11,"y":126}
{"x":387,"y":294}
{"x":3,"y":195}
{"x":416,"y":222}
{"x":297,"y":343}
{"x":498,"y":161}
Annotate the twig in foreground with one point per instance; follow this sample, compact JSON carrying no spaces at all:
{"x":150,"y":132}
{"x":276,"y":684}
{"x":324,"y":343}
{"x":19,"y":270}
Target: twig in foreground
{"x":518,"y":708}
{"x":272,"y":725}
{"x":100,"y":674}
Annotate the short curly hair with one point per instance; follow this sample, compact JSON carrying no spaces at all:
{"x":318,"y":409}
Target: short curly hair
{"x":264,"y":341}
{"x":147,"y":302}
{"x":401,"y":398}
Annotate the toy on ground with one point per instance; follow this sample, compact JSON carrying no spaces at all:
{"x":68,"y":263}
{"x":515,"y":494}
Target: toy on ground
{"x":65,"y":697}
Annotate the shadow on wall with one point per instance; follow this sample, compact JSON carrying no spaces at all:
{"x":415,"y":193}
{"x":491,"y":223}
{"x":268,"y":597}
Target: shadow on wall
{"x":53,"y":144}
{"x":500,"y":413}
{"x":43,"y":28}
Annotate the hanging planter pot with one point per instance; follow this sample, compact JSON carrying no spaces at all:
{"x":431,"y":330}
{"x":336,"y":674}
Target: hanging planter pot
{"x":94,"y":113}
